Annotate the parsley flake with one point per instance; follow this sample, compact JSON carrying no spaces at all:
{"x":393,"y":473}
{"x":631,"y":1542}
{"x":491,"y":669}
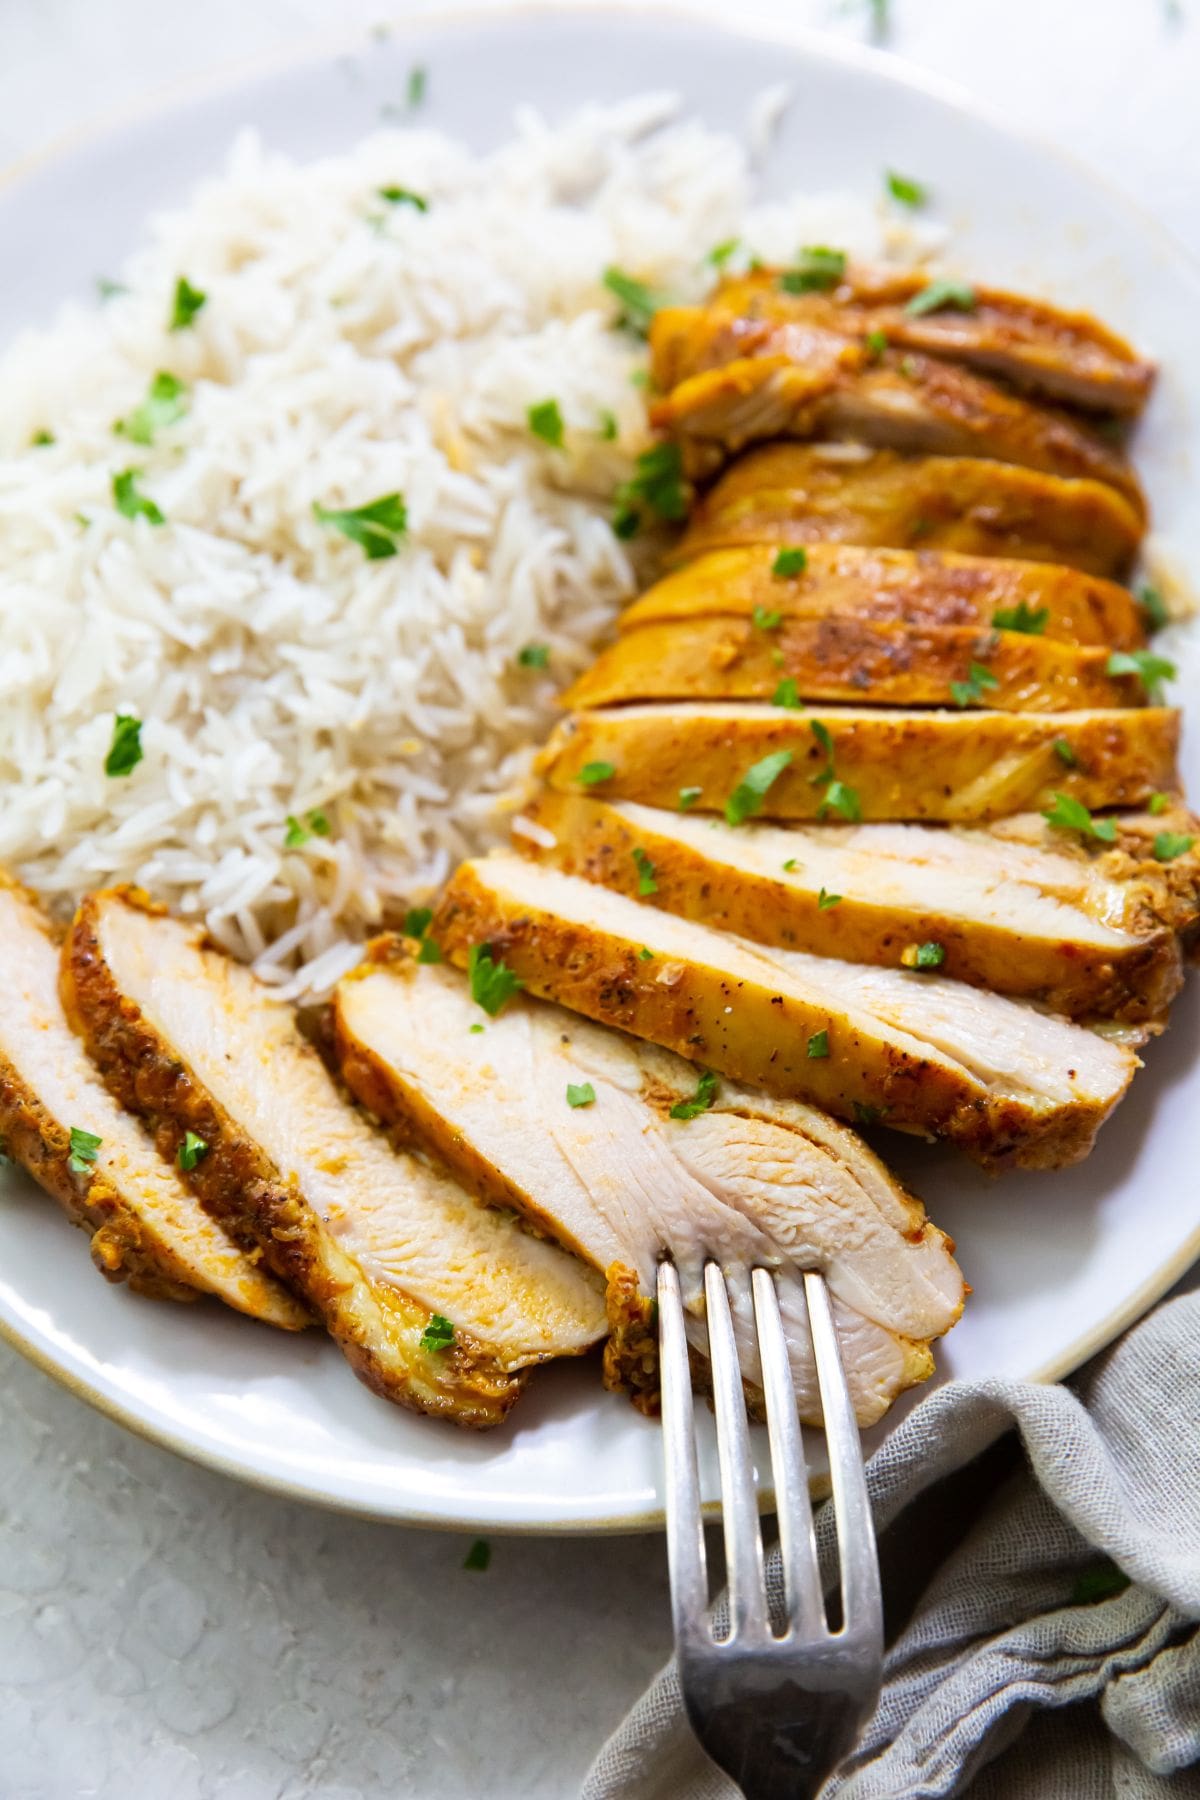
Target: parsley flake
{"x":417,"y":81}
{"x":375,"y":527}
{"x":84,"y":1148}
{"x":299,"y":831}
{"x":763,"y":619}
{"x":923,"y":956}
{"x":645,"y":868}
{"x":476,"y":1028}
{"x":1100,"y":1583}
{"x":656,"y":485}
{"x":1022,"y":618}
{"x":841,"y":799}
{"x":186,"y":302}
{"x":868,"y":1115}
{"x":1150,"y":599}
{"x":701,"y":1100}
{"x":438,"y":1334}
{"x":941,"y":295}
{"x":639,"y":303}
{"x":593,"y":773}
{"x":825,"y":901}
{"x":41,"y":439}
{"x":125,"y":752}
{"x":970,"y":692}
{"x":478,"y":1556}
{"x":546,"y":422}
{"x":130,"y":503}
{"x":417,"y":921}
{"x":1158,"y":803}
{"x":688,"y":797}
{"x":816,"y":269}
{"x":191,"y":1151}
{"x":788,"y":694}
{"x":904,"y":189}
{"x":1068,"y":814}
{"x":876,"y":343}
{"x":750,"y":792}
{"x":165,"y":404}
{"x":1170,"y":844}
{"x":790,"y":866}
{"x":582,"y":1095}
{"x":608,"y":429}
{"x":645,"y":955}
{"x":430,"y":951}
{"x":1065,"y":753}
{"x":533,"y":656}
{"x":402,"y":196}
{"x":720,"y":254}
{"x":818,"y":1044}
{"x":1150,"y":669}
{"x":790,"y":561}
{"x":493,"y":983}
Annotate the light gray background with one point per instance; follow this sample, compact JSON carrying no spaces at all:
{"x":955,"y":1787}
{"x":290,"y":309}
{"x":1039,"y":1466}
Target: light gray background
{"x":168,"y":1635}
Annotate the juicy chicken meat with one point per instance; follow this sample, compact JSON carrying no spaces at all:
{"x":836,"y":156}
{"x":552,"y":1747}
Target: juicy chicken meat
{"x":1008,"y":1084}
{"x":146,"y":1227}
{"x":849,"y":659}
{"x":752,"y":1181}
{"x":811,"y":383}
{"x":927,"y":588}
{"x":1067,"y":357}
{"x":1032,"y":922}
{"x":805,"y":494}
{"x":376,"y":1243}
{"x":957,"y":766}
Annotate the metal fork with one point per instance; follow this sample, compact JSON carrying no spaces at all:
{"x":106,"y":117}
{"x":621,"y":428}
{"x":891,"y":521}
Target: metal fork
{"x":777,"y":1713}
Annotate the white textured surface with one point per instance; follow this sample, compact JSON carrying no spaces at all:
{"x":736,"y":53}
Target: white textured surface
{"x":164,"y":1633}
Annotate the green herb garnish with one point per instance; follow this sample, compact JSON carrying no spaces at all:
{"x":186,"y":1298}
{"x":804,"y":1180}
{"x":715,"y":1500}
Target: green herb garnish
{"x":438,"y":1334}
{"x":656,"y":484}
{"x":1158,"y":803}
{"x":970,"y":692}
{"x":166,"y":402}
{"x":125,"y":752}
{"x":763,"y":619}
{"x":790,"y":562}
{"x":546,"y":422}
{"x":645,"y":868}
{"x":493,"y":983}
{"x":593,"y":773}
{"x":720,"y":254}
{"x":298,"y":832}
{"x":825,"y":901}
{"x":190,"y":1151}
{"x":816,"y":269}
{"x":417,"y":921}
{"x":639,"y":303}
{"x":1065,"y":753}
{"x":788,"y":694}
{"x":1022,"y":618}
{"x":608,"y":428}
{"x":417,"y":80}
{"x":84,"y":1147}
{"x":941,"y":295}
{"x":375,"y":527}
{"x":688,"y":797}
{"x":402,"y":196}
{"x":1150,"y":599}
{"x":40,"y":439}
{"x":876,"y":343}
{"x":818,"y":1044}
{"x":1071,"y":815}
{"x":645,"y":955}
{"x":186,"y":303}
{"x":868,"y":1115}
{"x":701,"y":1100}
{"x":841,"y":799}
{"x":923,"y":956}
{"x":583,"y":1095}
{"x":533,"y":656}
{"x":1098,"y":1584}
{"x":1150,"y":669}
{"x":748,"y":796}
{"x":479,"y":1555}
{"x":430,"y":951}
{"x":129,"y":502}
{"x":1170,"y":844}
{"x":904,"y":189}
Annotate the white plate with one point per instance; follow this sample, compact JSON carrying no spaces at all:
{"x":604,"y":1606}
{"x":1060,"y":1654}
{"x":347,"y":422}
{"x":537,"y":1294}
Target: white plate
{"x":1059,"y":1263}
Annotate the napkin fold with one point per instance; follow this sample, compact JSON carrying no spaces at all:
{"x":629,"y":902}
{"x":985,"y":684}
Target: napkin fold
{"x":1053,"y":1652}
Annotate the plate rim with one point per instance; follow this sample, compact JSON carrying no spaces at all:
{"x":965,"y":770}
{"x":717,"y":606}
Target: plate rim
{"x":314,"y":48}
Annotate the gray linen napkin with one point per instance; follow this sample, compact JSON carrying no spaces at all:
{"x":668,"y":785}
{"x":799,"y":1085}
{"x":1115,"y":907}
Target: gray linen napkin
{"x":1055,"y":1653}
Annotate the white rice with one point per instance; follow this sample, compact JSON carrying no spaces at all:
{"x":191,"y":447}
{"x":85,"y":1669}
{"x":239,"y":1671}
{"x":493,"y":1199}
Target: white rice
{"x":348,"y":349}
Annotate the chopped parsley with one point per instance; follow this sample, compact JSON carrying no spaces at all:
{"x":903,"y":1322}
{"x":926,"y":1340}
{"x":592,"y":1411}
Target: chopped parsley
{"x":1150,"y":599}
{"x":763,"y":619}
{"x":825,"y":738}
{"x":645,"y":955}
{"x":789,"y":562}
{"x":84,"y":1147}
{"x":375,"y":527}
{"x":40,"y":439}
{"x":593,"y":773}
{"x":402,"y":196}
{"x":430,"y":951}
{"x":790,"y":866}
{"x":816,"y":270}
{"x":1068,"y":814}
{"x":750,"y":792}
{"x":645,"y":868}
{"x":788,"y":694}
{"x":130,"y":503}
{"x":477,"y":1027}
{"x":876,"y":343}
{"x":970,"y":692}
{"x":438,"y":1334}
{"x":868,"y":1115}
{"x":1158,"y":803}
{"x":720,"y":254}
{"x":186,"y":302}
{"x":493,"y":983}
{"x":688,"y":797}
{"x":1065,"y":753}
{"x":165,"y":403}
{"x":109,"y":289}
{"x":1022,"y":618}
{"x":608,"y":428}
{"x":904,"y":189}
{"x":1170,"y":844}
{"x":417,"y":81}
{"x":1150,"y":669}
{"x":1100,"y":1583}
{"x":478,"y":1556}
{"x":701,"y":1100}
{"x":125,"y":752}
{"x":923,"y":956}
{"x":533,"y":656}
{"x":546,"y":422}
{"x":190,"y":1151}
{"x":299,"y":831}
{"x":417,"y":921}
{"x":909,"y":370}
{"x":841,"y":799}
{"x":639,"y":303}
{"x":656,"y":485}
{"x":825,"y":901}
{"x":582,"y":1095}
{"x":818,"y":1044}
{"x":941,"y":295}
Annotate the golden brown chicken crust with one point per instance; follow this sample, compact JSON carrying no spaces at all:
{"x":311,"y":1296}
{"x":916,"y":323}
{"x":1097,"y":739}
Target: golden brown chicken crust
{"x":754,"y":1033}
{"x":849,"y":659}
{"x":1080,"y":979}
{"x":238,"y":1184}
{"x":795,"y":494}
{"x":956,"y":766}
{"x":895,"y":587}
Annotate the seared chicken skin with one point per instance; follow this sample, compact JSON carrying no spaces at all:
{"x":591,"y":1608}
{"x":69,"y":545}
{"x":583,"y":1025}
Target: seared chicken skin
{"x":927,"y":588}
{"x":805,"y":494}
{"x":1008,"y":1084}
{"x":1032,"y":922}
{"x":379,"y":1245}
{"x":1067,"y":357}
{"x":958,"y":766}
{"x":850,"y":659}
{"x":615,"y":1178}
{"x":146,"y":1227}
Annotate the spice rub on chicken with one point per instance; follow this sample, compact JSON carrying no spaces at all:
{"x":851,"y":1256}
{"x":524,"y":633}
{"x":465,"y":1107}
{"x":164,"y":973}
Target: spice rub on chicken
{"x":600,"y":1141}
{"x":437,"y":1301}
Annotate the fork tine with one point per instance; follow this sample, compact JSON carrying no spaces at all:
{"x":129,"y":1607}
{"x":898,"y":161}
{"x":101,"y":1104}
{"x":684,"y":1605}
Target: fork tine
{"x":797,"y":1544}
{"x":686,"y":1557}
{"x":739,"y":1501}
{"x":862,"y":1607}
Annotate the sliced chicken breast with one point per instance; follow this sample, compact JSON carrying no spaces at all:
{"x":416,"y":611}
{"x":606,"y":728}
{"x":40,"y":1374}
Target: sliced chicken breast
{"x":958,"y":765}
{"x":808,"y":494}
{"x":1023,"y":921}
{"x":378,"y":1244}
{"x":1008,"y":1084}
{"x":895,"y":587}
{"x":848,"y":659}
{"x":615,"y":1178}
{"x":59,"y":1121}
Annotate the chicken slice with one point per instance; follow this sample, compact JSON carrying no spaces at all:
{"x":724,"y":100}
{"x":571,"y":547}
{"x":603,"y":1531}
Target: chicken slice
{"x":910,"y":402}
{"x":895,"y":587}
{"x":1023,"y":921}
{"x":146,"y":1227}
{"x":1008,"y":1084}
{"x":958,"y":766}
{"x":378,"y":1244}
{"x":850,"y":659}
{"x":807,"y":494}
{"x":1068,"y":357}
{"x":752,"y":1182}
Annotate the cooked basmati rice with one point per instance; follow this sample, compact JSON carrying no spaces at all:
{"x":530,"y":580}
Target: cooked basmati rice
{"x":349,"y":348}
